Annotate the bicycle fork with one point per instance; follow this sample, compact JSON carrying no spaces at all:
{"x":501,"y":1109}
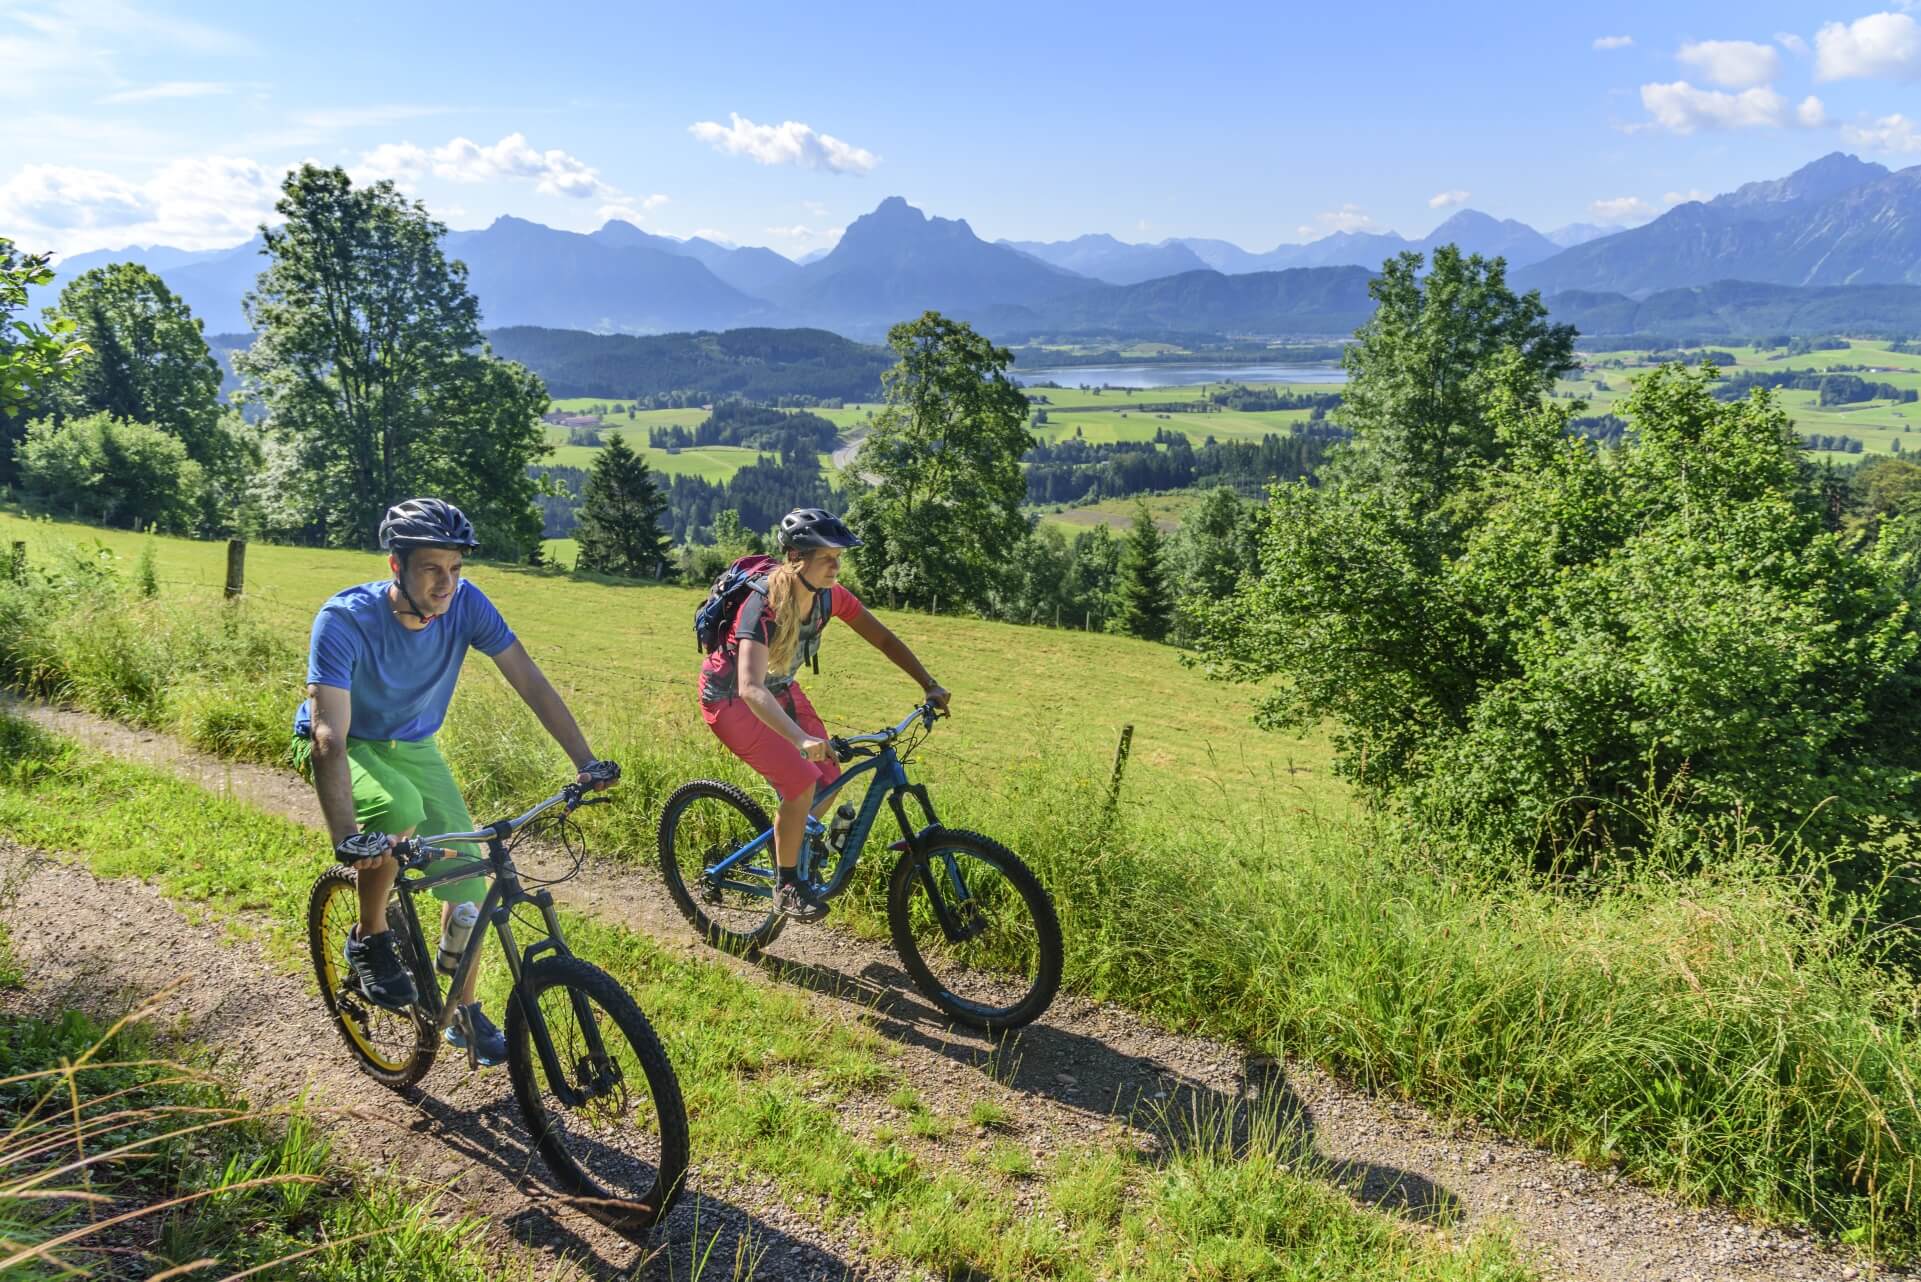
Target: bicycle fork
{"x":956,"y":912}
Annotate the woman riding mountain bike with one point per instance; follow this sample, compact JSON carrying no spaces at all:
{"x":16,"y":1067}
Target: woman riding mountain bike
{"x":749,"y":696}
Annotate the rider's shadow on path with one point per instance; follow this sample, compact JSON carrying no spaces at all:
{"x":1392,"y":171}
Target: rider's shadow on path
{"x":1178,"y":1111}
{"x":700,"y":1225}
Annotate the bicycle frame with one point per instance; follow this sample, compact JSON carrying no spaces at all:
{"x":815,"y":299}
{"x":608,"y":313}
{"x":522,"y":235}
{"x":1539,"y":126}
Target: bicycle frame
{"x":889,"y":786}
{"x":504,"y":894}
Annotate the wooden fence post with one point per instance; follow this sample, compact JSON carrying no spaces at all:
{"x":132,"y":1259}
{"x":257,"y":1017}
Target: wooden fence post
{"x":1121,"y":750}
{"x":236,"y":567}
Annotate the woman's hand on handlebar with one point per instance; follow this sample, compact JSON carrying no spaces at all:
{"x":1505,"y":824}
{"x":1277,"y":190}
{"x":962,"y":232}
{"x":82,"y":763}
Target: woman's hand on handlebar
{"x":937,"y":698}
{"x":813,"y":749}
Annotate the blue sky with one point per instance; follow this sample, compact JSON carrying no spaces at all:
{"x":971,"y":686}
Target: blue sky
{"x":135,"y":122}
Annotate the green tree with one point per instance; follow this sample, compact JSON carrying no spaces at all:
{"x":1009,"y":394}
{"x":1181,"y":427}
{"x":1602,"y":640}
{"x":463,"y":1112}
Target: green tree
{"x":147,"y":361}
{"x":34,"y":359}
{"x":1419,"y":385}
{"x":369,"y":357}
{"x":941,"y":511}
{"x":618,"y":525}
{"x":113,"y":470}
{"x":1146,"y":605}
{"x":1214,"y":546}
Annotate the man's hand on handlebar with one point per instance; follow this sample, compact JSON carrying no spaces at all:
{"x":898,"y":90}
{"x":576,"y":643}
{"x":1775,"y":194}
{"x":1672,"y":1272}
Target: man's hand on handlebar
{"x":363,"y":850}
{"x":598,"y":775}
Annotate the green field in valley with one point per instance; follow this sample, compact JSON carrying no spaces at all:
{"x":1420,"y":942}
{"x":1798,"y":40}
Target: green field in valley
{"x":710,"y":462}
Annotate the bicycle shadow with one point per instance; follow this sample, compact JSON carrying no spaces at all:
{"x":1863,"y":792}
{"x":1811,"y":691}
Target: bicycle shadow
{"x":699,"y":1226}
{"x":1177,"y":1112}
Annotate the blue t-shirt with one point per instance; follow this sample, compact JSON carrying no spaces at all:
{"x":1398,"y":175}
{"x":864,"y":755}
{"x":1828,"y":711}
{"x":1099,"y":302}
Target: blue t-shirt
{"x":401,"y":680}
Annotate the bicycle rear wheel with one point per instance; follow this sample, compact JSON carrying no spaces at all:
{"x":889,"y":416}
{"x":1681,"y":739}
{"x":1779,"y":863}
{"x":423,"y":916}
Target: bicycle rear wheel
{"x":1002,"y":970}
{"x":394,"y":1049}
{"x":702,"y":823}
{"x":613,"y":1129}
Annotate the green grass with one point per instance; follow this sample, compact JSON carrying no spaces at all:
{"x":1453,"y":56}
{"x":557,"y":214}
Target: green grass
{"x":762,"y":1074}
{"x":256,"y":1187}
{"x":624,"y":656}
{"x":1711,"y":1035}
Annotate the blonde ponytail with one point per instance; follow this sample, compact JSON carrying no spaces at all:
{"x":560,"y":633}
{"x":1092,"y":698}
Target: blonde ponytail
{"x":790,"y":601}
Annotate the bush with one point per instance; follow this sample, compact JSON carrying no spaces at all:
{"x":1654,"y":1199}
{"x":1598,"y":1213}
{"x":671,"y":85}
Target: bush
{"x":1604,"y":651}
{"x":121,"y":472}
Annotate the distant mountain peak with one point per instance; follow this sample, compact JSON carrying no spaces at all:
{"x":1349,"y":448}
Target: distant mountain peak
{"x":1817,"y":180}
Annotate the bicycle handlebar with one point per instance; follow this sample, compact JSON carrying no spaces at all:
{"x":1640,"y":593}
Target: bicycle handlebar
{"x":842,"y":746}
{"x":412,"y":852}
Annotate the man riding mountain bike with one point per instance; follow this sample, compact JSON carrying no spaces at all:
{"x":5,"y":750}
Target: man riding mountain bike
{"x":381,"y":670}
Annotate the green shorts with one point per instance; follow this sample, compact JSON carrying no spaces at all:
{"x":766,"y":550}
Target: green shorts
{"x":401,"y":788}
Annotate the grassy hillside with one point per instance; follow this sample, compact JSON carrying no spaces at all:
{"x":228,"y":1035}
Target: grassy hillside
{"x":1019,"y":692}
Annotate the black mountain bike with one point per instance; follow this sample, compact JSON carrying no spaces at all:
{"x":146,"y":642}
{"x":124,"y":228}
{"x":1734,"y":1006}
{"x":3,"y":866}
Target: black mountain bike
{"x":972,"y":924}
{"x":599,"y":1096}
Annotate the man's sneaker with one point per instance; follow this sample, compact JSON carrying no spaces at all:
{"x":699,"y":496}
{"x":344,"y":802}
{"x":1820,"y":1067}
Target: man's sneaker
{"x":377,"y":969}
{"x":490,"y":1044}
{"x":797,"y":901}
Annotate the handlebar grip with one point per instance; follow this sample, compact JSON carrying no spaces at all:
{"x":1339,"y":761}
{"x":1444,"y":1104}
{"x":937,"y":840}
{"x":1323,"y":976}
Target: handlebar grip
{"x":842,"y":750}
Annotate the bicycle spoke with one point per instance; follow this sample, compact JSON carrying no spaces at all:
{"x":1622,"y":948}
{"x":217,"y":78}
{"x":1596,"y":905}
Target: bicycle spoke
{"x":601,"y":1110}
{"x":988,"y":952}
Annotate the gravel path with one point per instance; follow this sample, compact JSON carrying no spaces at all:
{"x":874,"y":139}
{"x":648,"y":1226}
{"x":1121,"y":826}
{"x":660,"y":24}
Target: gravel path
{"x":1085,"y":1071}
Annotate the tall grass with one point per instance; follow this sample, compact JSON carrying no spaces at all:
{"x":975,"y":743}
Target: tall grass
{"x":1716,"y":1034}
{"x":766,"y":1077}
{"x":114,"y":1158}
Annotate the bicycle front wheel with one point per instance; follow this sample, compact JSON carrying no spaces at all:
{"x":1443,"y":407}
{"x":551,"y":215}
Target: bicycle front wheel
{"x":610,"y":1124}
{"x":989,"y":953}
{"x":395,"y":1049}
{"x":701,"y":824}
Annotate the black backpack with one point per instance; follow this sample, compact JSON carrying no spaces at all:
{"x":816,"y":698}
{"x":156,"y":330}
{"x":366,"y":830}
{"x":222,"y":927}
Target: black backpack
{"x":716,"y":613}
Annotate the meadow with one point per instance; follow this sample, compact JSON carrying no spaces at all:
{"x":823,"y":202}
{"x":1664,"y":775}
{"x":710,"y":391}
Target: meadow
{"x":1712,"y":1033}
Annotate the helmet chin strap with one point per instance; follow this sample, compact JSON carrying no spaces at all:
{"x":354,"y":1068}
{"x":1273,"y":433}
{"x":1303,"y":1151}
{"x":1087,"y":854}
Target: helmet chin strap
{"x":413,"y":606}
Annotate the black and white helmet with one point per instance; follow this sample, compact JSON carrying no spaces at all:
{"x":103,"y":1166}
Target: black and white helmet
{"x":806,"y":528}
{"x":427,"y":523}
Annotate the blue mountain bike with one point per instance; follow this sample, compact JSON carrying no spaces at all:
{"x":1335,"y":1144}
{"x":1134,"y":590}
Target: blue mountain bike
{"x":971,"y":923}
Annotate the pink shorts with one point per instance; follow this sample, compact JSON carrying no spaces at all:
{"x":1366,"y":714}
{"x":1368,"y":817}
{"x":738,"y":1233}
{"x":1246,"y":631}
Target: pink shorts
{"x":768,"y":751}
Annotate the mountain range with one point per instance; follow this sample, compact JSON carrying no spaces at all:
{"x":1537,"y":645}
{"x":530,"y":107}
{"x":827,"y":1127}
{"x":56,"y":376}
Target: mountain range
{"x":1836,"y":223}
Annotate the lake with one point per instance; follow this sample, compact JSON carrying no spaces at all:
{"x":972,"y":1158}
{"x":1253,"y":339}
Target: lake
{"x":1178,"y":375}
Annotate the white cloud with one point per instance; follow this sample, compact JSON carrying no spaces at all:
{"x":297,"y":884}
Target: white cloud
{"x":1792,"y":43}
{"x":73,"y":44}
{"x":1621,"y":209}
{"x":1349,"y":217}
{"x":1673,"y":198}
{"x":332,"y":118}
{"x":1447,"y":199}
{"x":814,"y":207}
{"x":799,"y":237}
{"x":168,"y":89}
{"x":788,"y":143}
{"x":1879,"y":45}
{"x":629,"y":210}
{"x":553,"y":172}
{"x":1683,"y":109}
{"x":1889,"y":133}
{"x":1733,"y":64}
{"x":200,"y":202}
{"x":1613,"y":42}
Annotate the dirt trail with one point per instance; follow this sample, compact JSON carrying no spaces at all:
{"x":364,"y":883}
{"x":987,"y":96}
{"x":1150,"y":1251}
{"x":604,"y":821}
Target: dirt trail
{"x":1084,"y":1071}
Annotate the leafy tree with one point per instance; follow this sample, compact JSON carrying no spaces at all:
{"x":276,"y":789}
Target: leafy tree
{"x":34,"y":359}
{"x":369,"y":356}
{"x":117,"y":471}
{"x":1146,"y":605}
{"x":1091,"y":577}
{"x":619,"y":520}
{"x":1419,"y":377}
{"x":1214,"y":546}
{"x":941,"y":517}
{"x":1632,"y":649}
{"x":147,"y":361}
